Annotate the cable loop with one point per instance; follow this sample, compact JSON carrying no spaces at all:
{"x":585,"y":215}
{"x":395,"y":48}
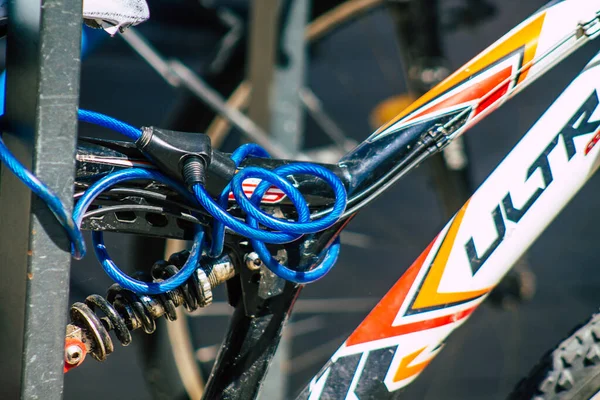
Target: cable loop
{"x":275,"y":177}
{"x":108,"y":264}
{"x":218,"y":233}
{"x":286,"y":231}
{"x":282,"y":231}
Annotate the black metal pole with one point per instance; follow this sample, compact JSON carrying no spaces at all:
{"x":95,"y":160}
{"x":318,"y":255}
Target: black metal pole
{"x":42,"y":93}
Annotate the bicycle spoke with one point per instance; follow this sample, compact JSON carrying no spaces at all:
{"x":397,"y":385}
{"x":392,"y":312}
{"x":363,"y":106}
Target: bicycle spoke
{"x":314,"y":106}
{"x":179,"y":75}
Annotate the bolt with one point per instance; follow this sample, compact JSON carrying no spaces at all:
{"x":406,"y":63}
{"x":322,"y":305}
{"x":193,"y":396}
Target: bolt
{"x":73,"y":354}
{"x":253,"y":262}
{"x":219,"y":270}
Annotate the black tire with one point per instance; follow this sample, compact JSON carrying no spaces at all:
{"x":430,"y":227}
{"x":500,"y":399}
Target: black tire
{"x":570,"y":371}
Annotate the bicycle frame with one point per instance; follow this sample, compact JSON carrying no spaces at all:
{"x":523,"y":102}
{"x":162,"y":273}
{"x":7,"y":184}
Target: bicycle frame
{"x":479,"y":245}
{"x":456,"y":272}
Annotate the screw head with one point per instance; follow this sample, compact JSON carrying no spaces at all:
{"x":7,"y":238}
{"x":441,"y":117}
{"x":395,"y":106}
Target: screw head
{"x":253,"y":262}
{"x":73,"y":354}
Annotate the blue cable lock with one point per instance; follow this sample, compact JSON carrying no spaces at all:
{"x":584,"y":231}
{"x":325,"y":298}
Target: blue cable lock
{"x":283,"y":231}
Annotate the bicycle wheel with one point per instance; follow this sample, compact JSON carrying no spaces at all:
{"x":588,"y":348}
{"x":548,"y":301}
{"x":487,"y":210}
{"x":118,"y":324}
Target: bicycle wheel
{"x":570,"y":371}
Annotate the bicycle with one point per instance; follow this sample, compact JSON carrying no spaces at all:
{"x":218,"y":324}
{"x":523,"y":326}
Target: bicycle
{"x":422,"y":137}
{"x":157,"y":364}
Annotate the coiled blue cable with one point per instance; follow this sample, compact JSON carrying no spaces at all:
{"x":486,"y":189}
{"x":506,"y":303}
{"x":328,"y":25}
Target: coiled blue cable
{"x":47,"y":195}
{"x":108,"y":264}
{"x":287,"y":231}
{"x":218,"y":234}
{"x":299,"y":276}
{"x":308,"y":273}
{"x":275,"y":177}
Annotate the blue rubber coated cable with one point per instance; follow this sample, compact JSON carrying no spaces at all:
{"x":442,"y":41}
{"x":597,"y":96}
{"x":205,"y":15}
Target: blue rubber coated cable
{"x":108,"y":264}
{"x":285,"y":231}
{"x":93,"y":117}
{"x":303,"y":226}
{"x":257,"y":236}
{"x":89,"y":39}
{"x":137,"y":286}
{"x":291,"y":169}
{"x":309,"y":274}
{"x":53,"y":202}
{"x":275,"y":177}
{"x":303,"y":275}
{"x":218,"y":234}
{"x":48,"y":196}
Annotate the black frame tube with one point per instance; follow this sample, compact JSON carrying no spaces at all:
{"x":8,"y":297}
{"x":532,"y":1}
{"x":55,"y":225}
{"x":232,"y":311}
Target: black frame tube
{"x":248,"y":347}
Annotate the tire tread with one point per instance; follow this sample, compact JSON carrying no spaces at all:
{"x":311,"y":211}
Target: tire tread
{"x":564,"y":371}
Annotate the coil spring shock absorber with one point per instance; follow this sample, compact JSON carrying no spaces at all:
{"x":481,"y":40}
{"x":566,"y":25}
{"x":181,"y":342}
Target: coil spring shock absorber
{"x":124,"y":311}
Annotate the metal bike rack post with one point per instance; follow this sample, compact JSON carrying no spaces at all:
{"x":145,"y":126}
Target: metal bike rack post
{"x":42,"y":94}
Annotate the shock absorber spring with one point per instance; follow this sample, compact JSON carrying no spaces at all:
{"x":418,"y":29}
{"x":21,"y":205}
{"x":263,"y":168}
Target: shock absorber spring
{"x":123,"y":311}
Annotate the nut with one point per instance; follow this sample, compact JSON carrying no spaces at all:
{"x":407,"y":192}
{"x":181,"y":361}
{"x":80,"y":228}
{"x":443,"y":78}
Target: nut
{"x":73,"y":354}
{"x":253,"y":262}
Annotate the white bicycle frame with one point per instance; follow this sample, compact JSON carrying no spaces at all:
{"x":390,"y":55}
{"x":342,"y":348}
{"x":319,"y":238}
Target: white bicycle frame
{"x":469,"y":257}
